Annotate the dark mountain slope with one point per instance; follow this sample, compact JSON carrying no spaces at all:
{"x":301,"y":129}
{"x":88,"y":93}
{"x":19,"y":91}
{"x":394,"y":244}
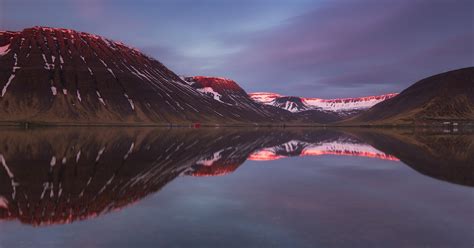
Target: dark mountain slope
{"x":446,"y":96}
{"x":64,"y":76}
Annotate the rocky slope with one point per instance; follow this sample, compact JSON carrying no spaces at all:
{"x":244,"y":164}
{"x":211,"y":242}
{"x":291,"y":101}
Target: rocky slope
{"x":436,"y":99}
{"x":64,"y":76}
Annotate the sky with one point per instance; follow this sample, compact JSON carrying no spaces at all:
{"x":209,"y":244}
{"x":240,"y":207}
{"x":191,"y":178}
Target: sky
{"x":310,"y":48}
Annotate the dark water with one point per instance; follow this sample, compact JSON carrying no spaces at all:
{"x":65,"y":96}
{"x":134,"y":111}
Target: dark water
{"x":117,"y":187}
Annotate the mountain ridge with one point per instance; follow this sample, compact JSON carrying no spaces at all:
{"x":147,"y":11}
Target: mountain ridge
{"x":342,"y":106}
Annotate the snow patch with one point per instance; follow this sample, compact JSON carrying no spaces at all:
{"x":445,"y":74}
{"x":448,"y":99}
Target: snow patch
{"x":78,"y":156}
{"x":12,"y":76}
{"x":53,"y":161}
{"x":4,"y":49}
{"x":47,"y":65}
{"x":100,"y":97}
{"x":79,"y":96}
{"x":129,"y":151}
{"x":10,"y":175}
{"x":3,"y":202}
{"x":210,"y":161}
{"x":54,"y":90}
{"x":99,"y":154}
{"x":210,"y":91}
{"x":130,"y":101}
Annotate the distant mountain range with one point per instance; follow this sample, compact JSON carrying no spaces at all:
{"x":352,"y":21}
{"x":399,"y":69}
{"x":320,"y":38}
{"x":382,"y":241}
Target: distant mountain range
{"x":342,"y":107}
{"x":61,"y":76}
{"x":320,"y":110}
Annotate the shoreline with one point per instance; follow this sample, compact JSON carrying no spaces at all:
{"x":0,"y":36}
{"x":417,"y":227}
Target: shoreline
{"x":452,"y":123}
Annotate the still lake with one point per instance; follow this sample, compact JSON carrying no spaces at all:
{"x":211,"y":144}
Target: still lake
{"x":223,"y":187}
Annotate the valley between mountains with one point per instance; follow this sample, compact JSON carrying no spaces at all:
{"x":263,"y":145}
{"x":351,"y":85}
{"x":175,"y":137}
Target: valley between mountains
{"x":53,"y":76}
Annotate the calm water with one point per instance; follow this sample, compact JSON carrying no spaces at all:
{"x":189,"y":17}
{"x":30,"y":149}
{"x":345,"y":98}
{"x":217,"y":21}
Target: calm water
{"x":106,"y":187}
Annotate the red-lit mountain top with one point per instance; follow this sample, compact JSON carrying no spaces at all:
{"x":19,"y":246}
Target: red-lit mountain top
{"x":216,"y":169}
{"x":217,"y":83}
{"x":221,"y":89}
{"x":227,"y":91}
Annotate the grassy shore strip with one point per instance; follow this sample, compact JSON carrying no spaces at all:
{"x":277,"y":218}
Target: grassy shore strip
{"x":26,"y":124}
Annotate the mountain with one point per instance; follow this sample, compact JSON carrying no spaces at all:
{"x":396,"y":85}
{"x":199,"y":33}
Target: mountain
{"x":436,"y":99}
{"x":61,"y":76}
{"x":338,"y":108}
{"x":230,"y":93}
{"x":53,"y":75}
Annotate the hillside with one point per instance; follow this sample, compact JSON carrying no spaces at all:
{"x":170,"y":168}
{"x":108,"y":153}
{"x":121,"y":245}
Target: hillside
{"x":436,"y":99}
{"x":62,"y":76}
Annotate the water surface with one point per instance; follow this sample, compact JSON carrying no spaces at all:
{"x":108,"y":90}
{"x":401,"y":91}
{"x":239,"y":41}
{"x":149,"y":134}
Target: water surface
{"x":144,"y":187}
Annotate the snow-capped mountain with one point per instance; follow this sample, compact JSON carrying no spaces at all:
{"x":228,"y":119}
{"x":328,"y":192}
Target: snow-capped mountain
{"x":343,"y":107}
{"x":63,"y":76}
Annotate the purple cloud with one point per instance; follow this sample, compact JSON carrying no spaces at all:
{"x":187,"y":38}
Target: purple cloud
{"x":314,"y":48}
{"x":363,"y":48}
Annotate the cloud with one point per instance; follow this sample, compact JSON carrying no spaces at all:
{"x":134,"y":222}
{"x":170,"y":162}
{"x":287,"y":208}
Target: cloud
{"x":316,"y":48}
{"x":375,"y":45}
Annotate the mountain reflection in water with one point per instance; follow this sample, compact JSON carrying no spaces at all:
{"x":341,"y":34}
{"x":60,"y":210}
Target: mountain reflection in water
{"x":61,"y":175}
